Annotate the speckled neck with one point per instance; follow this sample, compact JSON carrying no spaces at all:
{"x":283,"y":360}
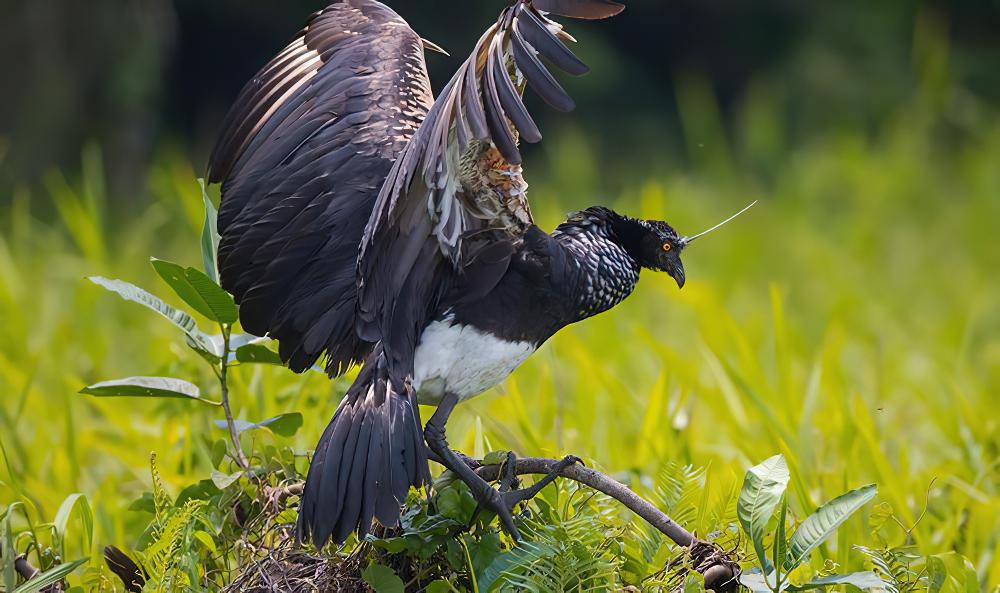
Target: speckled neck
{"x":602,"y":272}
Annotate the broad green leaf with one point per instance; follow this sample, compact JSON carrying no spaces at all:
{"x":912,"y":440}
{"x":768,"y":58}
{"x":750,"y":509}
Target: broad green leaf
{"x":961,"y":574}
{"x":440,"y":586}
{"x":144,"y":503}
{"x":257,"y":354}
{"x":53,"y":575}
{"x":755,"y":581}
{"x":79,"y":505}
{"x":694,"y":583}
{"x":209,"y":236}
{"x":383,"y":579}
{"x":130,"y":292}
{"x":237,"y":341}
{"x":862,"y":580}
{"x":821,"y":524}
{"x":780,"y":551}
{"x":223,"y":481}
{"x":199,"y":291}
{"x":393,"y":545}
{"x":206,"y":541}
{"x":147,"y":387}
{"x":216,"y":343}
{"x":495,"y":458}
{"x":200,"y":490}
{"x":936,"y":574}
{"x":218,"y":452}
{"x":285,"y":425}
{"x":762,"y":490}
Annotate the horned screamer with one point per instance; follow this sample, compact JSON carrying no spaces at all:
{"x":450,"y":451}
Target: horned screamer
{"x":364,"y":221}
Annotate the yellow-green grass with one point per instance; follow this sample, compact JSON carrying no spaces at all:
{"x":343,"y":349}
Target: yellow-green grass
{"x":851,"y":321}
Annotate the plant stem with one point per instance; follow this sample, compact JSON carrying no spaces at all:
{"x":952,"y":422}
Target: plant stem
{"x":241,"y":459}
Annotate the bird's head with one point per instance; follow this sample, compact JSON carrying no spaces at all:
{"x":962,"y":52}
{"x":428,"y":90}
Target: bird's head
{"x":659,"y":248}
{"x":655,"y":245}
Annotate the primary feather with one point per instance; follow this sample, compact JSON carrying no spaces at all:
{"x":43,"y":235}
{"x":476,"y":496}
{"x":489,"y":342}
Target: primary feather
{"x":302,"y":157}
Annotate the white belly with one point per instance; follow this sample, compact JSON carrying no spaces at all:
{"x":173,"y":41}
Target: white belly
{"x":462,"y":360}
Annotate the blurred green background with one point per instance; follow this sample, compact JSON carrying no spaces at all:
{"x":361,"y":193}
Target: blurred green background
{"x":850,"y":321}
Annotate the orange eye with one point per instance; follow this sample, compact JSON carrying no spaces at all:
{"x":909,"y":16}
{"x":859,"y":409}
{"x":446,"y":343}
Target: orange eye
{"x":667,"y":247}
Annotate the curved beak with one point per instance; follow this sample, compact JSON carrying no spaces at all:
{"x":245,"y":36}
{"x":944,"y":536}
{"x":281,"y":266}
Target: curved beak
{"x":676,"y":272}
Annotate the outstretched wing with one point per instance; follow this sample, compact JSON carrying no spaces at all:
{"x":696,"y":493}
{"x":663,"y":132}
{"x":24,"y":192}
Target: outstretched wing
{"x":456,"y":192}
{"x":304,"y":152}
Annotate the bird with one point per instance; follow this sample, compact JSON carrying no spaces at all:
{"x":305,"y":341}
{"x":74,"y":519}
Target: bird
{"x":366,"y":223}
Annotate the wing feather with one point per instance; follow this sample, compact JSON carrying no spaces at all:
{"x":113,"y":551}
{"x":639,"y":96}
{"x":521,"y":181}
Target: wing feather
{"x":304,"y":152}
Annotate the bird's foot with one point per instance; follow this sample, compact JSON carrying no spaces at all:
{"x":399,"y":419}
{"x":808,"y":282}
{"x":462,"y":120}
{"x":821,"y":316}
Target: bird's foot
{"x":507,"y":496}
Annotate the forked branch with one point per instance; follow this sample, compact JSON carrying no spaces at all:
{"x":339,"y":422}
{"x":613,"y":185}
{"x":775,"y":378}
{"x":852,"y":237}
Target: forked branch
{"x":602,"y":483}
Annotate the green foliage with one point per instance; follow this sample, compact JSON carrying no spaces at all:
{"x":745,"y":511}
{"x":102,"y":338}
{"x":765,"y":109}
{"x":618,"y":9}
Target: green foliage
{"x":383,"y":579}
{"x":199,"y":291}
{"x":146,"y":387}
{"x":763,"y":490}
{"x":823,"y":523}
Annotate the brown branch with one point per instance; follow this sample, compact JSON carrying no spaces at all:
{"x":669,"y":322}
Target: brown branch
{"x":602,"y":483}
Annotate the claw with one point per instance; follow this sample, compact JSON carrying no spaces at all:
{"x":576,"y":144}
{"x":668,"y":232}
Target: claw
{"x":508,"y":474}
{"x":503,"y":501}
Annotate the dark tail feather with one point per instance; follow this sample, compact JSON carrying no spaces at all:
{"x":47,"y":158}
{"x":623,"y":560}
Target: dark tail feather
{"x":366,"y":461}
{"x":131,"y":574}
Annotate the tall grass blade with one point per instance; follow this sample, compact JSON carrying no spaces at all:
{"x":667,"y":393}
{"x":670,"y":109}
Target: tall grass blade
{"x":78,"y":505}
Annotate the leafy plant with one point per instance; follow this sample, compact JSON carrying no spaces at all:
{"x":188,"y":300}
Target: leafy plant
{"x":201,"y":291}
{"x":763,"y":492}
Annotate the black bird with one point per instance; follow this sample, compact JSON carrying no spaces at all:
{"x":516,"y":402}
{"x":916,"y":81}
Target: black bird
{"x":365,"y":222}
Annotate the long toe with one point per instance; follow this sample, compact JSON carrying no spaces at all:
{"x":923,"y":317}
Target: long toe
{"x":499,"y":504}
{"x":515,"y":496}
{"x":508,"y":474}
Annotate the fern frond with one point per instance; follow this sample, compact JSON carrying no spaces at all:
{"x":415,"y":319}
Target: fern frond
{"x":161,"y":500}
{"x":678,"y":491}
{"x":568,"y":554}
{"x":162,"y":558}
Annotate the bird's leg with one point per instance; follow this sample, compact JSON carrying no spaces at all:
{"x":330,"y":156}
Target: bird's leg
{"x":502,"y":501}
{"x":485,"y":495}
{"x":509,"y":494}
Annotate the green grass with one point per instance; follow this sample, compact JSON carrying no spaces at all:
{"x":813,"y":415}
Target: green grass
{"x":850,"y":322}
